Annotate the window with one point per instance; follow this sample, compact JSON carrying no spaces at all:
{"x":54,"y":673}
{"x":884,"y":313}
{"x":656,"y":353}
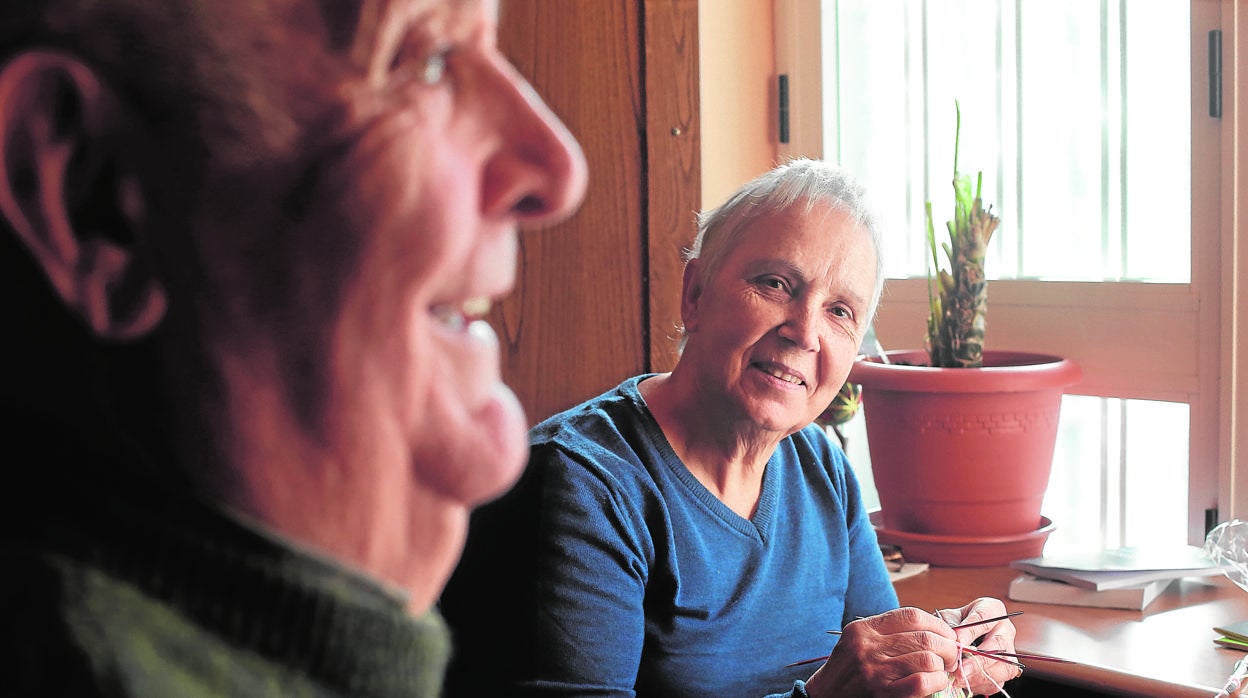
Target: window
{"x":1085,"y":119}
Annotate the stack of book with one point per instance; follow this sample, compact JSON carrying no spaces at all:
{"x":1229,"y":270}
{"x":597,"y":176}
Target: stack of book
{"x":1234,"y":635}
{"x":1128,"y":578}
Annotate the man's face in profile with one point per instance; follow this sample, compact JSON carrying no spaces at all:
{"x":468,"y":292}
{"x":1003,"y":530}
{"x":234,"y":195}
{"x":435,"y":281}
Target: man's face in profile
{"x":440,"y":153}
{"x":308,"y":206}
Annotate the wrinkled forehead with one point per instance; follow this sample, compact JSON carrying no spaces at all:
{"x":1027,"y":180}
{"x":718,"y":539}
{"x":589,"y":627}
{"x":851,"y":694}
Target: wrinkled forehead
{"x":363,"y":31}
{"x":264,"y":75}
{"x":368,"y":29}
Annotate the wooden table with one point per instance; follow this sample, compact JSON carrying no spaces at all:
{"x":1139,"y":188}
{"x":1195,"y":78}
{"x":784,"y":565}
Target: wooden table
{"x":1165,"y":650}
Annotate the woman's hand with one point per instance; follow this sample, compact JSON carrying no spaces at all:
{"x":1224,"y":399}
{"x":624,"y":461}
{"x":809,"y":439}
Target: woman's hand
{"x":905,"y":652}
{"x":984,"y":676}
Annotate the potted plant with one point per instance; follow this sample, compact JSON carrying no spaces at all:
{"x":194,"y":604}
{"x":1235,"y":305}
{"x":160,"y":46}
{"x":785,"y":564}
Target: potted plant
{"x":961,"y":437}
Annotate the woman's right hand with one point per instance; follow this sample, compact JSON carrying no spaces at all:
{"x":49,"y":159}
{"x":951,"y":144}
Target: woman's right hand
{"x":904,"y":652}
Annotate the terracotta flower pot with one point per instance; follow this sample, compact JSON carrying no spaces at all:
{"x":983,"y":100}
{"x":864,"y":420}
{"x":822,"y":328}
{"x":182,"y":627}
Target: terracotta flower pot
{"x":963,"y":452}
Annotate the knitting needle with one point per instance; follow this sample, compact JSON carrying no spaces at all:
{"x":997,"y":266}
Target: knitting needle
{"x":812,"y":660}
{"x":994,"y":656}
{"x":956,"y":627}
{"x":1029,"y":657}
{"x":1037,"y":657}
{"x":999,"y":656}
{"x":1011,"y":614}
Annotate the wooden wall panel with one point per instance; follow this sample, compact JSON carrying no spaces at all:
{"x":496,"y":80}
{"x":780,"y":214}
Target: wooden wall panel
{"x":576,"y":325}
{"x":598,"y":297}
{"x":674,"y":164}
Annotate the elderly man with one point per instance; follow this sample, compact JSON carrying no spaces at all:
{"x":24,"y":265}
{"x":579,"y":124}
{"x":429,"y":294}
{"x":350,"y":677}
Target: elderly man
{"x":249,"y":398}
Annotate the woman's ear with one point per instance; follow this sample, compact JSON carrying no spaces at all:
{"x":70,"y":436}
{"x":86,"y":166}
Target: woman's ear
{"x":69,"y":196}
{"x":690,"y":294}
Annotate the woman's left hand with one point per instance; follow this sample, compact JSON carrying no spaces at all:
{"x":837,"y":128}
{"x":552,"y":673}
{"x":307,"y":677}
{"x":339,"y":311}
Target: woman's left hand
{"x":982,"y":675}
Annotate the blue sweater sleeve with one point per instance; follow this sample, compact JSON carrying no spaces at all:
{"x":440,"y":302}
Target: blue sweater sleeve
{"x":594,"y":560}
{"x":870,"y":591}
{"x":548,"y":598}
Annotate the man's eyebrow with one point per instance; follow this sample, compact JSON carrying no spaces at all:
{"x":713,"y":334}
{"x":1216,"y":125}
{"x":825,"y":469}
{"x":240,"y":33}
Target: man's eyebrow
{"x":382,"y":24}
{"x":342,"y":20}
{"x":368,"y":40}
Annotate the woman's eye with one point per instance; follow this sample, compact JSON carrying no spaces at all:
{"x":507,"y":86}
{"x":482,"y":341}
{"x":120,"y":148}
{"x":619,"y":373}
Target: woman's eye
{"x":842,"y":312}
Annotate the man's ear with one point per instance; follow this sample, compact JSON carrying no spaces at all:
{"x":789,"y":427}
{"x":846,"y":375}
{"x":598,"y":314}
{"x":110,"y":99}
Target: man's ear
{"x":70,"y":196}
{"x":690,"y":294}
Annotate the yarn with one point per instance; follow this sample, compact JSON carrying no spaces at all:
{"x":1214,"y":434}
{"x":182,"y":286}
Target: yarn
{"x":952,"y":691}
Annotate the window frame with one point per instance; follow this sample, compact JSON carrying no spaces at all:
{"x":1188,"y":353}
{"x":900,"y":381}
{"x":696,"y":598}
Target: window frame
{"x":1120,"y":328}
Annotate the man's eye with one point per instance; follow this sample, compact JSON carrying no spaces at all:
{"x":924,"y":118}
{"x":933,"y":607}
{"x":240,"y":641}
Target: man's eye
{"x":433,"y":69}
{"x":415,"y":62}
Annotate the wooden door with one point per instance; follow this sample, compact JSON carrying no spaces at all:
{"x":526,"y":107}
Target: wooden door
{"x":597,"y":298}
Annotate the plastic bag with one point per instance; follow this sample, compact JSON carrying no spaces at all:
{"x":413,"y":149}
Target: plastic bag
{"x":1227,"y":546}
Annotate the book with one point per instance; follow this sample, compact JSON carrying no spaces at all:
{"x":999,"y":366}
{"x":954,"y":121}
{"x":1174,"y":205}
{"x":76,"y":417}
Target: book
{"x":1237,"y":630}
{"x":1115,"y":568}
{"x":1026,"y":587}
{"x":907,"y":570}
{"x":1233,"y":643}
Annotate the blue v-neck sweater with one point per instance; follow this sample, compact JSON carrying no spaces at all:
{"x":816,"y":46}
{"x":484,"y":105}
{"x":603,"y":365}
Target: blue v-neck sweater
{"x":611,"y":570}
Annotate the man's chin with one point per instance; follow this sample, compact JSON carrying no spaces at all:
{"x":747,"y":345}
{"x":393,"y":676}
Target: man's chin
{"x":506,"y":429}
{"x":485,"y":457}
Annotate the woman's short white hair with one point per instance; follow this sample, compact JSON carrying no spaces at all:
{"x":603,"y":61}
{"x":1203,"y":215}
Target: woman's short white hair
{"x":801,"y":182}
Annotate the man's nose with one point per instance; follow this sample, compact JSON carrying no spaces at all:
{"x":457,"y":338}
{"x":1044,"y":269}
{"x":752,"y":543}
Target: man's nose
{"x":539,"y":172}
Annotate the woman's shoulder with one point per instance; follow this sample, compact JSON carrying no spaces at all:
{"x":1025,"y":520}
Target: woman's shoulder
{"x":812,"y":440}
{"x":812,"y":448}
{"x":610,"y":439}
{"x":619,"y":405}
{"x":615,"y":423}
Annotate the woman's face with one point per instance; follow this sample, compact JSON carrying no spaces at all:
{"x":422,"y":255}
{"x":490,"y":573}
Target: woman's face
{"x":775,"y":329}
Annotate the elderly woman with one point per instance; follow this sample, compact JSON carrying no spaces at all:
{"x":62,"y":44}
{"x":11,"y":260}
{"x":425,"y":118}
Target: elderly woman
{"x":691,"y":533}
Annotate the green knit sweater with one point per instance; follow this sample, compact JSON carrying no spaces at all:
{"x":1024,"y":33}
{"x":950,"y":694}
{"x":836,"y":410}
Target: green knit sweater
{"x":172,"y":598}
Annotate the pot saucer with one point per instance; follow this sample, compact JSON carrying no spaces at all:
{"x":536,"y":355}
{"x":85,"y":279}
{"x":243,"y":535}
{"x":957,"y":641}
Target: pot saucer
{"x":966,"y":551}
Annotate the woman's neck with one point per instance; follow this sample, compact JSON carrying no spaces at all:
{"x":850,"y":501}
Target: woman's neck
{"x":726,"y":456}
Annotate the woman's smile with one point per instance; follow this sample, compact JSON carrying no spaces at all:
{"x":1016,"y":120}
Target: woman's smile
{"x":781,"y":373}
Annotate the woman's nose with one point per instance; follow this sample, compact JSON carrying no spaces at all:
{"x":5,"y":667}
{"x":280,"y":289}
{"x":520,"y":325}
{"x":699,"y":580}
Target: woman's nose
{"x":539,"y":173}
{"x":801,"y":326}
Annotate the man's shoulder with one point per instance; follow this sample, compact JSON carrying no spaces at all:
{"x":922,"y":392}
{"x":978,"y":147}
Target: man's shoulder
{"x":74,"y":628}
{"x":42,"y":652}
{"x":78,"y":628}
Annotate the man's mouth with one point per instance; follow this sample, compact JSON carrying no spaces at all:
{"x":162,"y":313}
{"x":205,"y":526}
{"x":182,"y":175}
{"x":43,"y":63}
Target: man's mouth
{"x":456,"y":317}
